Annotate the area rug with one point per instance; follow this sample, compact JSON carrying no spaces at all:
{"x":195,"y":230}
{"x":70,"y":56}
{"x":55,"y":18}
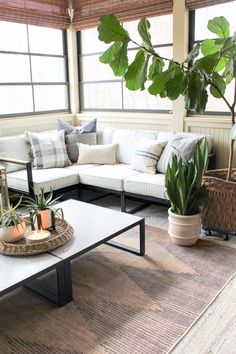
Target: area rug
{"x":123,"y":304}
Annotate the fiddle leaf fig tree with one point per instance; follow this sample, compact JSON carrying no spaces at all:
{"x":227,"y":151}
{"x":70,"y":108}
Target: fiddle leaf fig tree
{"x":213,"y":66}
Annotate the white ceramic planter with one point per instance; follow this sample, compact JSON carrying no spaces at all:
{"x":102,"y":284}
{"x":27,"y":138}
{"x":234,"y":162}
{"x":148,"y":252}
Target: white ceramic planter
{"x":13,"y":233}
{"x":184,"y":230}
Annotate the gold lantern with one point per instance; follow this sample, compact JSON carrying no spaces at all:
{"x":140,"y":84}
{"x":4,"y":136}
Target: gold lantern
{"x":4,"y":196}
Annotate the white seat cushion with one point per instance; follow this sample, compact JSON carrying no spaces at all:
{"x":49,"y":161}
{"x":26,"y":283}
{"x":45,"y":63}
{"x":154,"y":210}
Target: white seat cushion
{"x":79,"y":168}
{"x":107,"y":176}
{"x":146,"y":184}
{"x":55,"y":178}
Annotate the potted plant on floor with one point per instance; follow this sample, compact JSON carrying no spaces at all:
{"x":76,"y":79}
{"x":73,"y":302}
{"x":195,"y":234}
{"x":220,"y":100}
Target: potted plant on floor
{"x":12,"y":224}
{"x":42,"y":207}
{"x":208,"y":74}
{"x":183,"y":182}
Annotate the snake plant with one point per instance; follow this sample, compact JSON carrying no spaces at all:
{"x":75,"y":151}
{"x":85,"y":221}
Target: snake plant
{"x":183,"y":182}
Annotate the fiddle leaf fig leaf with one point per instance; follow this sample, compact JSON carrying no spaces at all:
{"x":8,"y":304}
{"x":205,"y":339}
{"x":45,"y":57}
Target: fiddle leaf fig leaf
{"x":174,"y":86}
{"x":155,"y":68}
{"x":193,"y":54}
{"x":116,"y":56}
{"x":160,"y":80}
{"x":208,"y":63}
{"x":196,"y":93}
{"x":136,"y":74}
{"x":232,"y":133}
{"x":143,"y":28}
{"x":209,"y":46}
{"x":110,"y":30}
{"x":218,"y":86}
{"x":219,"y":26}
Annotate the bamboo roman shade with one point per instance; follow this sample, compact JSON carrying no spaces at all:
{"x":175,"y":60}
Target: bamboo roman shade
{"x":196,"y":4}
{"x":87,"y":12}
{"x":49,"y":13}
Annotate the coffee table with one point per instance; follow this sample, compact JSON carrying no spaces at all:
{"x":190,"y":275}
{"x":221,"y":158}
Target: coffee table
{"x":93,"y":225}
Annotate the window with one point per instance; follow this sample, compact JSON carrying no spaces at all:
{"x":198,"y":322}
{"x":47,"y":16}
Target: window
{"x":198,"y":31}
{"x":33,"y":75}
{"x":100,"y":90}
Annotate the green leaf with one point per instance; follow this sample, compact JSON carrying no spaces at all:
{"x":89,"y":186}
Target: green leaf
{"x":175,"y":85}
{"x":217,"y":81}
{"x":232,"y":133}
{"x":136,"y":74}
{"x":219,"y":26}
{"x":155,"y":68}
{"x":207,"y":63}
{"x":209,"y":46}
{"x":116,"y":56}
{"x":196,"y":94}
{"x":143,"y":27}
{"x":110,"y":30}
{"x":160,"y":80}
{"x":193,"y":54}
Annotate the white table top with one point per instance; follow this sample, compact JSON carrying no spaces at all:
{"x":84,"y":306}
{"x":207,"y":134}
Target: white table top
{"x":14,"y":270}
{"x":91,"y":224}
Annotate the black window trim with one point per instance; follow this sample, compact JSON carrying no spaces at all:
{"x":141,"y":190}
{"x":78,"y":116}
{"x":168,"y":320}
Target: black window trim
{"x":32,"y":84}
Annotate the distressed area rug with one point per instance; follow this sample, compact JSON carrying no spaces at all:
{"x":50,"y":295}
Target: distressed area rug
{"x":123,"y":304}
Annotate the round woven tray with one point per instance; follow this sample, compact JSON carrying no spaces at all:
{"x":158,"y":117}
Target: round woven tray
{"x":61,"y":235}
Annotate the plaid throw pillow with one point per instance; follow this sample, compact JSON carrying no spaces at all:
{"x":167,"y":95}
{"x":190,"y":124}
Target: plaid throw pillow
{"x":48,"y":149}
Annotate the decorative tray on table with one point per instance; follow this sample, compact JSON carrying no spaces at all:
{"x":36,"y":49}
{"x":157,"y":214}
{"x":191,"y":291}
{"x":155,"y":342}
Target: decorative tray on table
{"x":62,"y":233}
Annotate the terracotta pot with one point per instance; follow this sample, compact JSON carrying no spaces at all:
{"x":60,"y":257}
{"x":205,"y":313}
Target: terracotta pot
{"x":46,"y":219}
{"x":13,"y":233}
{"x":184,"y":230}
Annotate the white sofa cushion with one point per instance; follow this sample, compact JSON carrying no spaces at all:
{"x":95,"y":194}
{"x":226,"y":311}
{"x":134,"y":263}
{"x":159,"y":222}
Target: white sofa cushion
{"x":14,"y":147}
{"x":80,"y":168}
{"x":107,"y":176}
{"x":55,"y":178}
{"x":99,"y":154}
{"x":146,"y":156}
{"x":146,"y":184}
{"x":127,"y":142}
{"x":105,"y":136}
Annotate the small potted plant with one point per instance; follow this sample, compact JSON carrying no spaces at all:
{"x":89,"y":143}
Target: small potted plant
{"x":42,"y":207}
{"x":183,"y":182}
{"x":12,"y":224}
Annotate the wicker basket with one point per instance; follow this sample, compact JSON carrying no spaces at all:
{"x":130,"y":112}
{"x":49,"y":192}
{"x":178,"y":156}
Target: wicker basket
{"x":62,"y":234}
{"x":220,"y":213}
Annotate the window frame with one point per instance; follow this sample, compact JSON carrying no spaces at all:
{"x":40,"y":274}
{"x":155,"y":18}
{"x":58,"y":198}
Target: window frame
{"x":32,"y":84}
{"x":118,"y":80}
{"x":191,"y":43}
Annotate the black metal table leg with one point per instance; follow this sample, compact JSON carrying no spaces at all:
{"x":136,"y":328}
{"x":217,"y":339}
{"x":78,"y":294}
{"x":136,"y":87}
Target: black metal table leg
{"x":63,"y":293}
{"x":141,"y":250}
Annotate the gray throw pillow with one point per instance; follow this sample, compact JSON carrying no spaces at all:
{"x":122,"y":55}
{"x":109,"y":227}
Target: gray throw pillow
{"x":90,"y":127}
{"x":179,"y":145}
{"x":73,"y":139}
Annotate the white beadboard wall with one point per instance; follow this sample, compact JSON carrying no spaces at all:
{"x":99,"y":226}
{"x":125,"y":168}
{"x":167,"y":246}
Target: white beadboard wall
{"x":13,"y":126}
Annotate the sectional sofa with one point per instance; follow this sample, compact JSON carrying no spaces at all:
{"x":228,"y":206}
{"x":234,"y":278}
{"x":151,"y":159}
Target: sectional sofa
{"x":120,"y":178}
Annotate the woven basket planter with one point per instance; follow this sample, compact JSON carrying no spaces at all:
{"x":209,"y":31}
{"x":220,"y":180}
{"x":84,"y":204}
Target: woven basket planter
{"x":220,"y":213}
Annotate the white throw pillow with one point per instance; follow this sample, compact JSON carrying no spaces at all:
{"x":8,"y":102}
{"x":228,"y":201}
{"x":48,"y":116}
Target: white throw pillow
{"x":100,"y":154}
{"x":146,"y":156}
{"x":48,"y":149}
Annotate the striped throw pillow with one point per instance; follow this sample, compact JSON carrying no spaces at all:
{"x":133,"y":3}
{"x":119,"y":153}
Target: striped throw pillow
{"x":48,"y":149}
{"x":146,"y":156}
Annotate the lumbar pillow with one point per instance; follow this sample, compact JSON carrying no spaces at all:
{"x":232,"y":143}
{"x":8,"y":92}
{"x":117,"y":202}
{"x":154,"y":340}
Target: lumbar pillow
{"x":48,"y":149}
{"x":146,"y":156}
{"x":74,"y":135}
{"x":100,"y":154}
{"x":179,"y":145}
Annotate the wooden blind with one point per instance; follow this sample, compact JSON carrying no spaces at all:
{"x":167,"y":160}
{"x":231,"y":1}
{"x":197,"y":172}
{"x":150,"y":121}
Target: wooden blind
{"x":49,"y":13}
{"x":196,"y":4}
{"x":88,"y":12}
